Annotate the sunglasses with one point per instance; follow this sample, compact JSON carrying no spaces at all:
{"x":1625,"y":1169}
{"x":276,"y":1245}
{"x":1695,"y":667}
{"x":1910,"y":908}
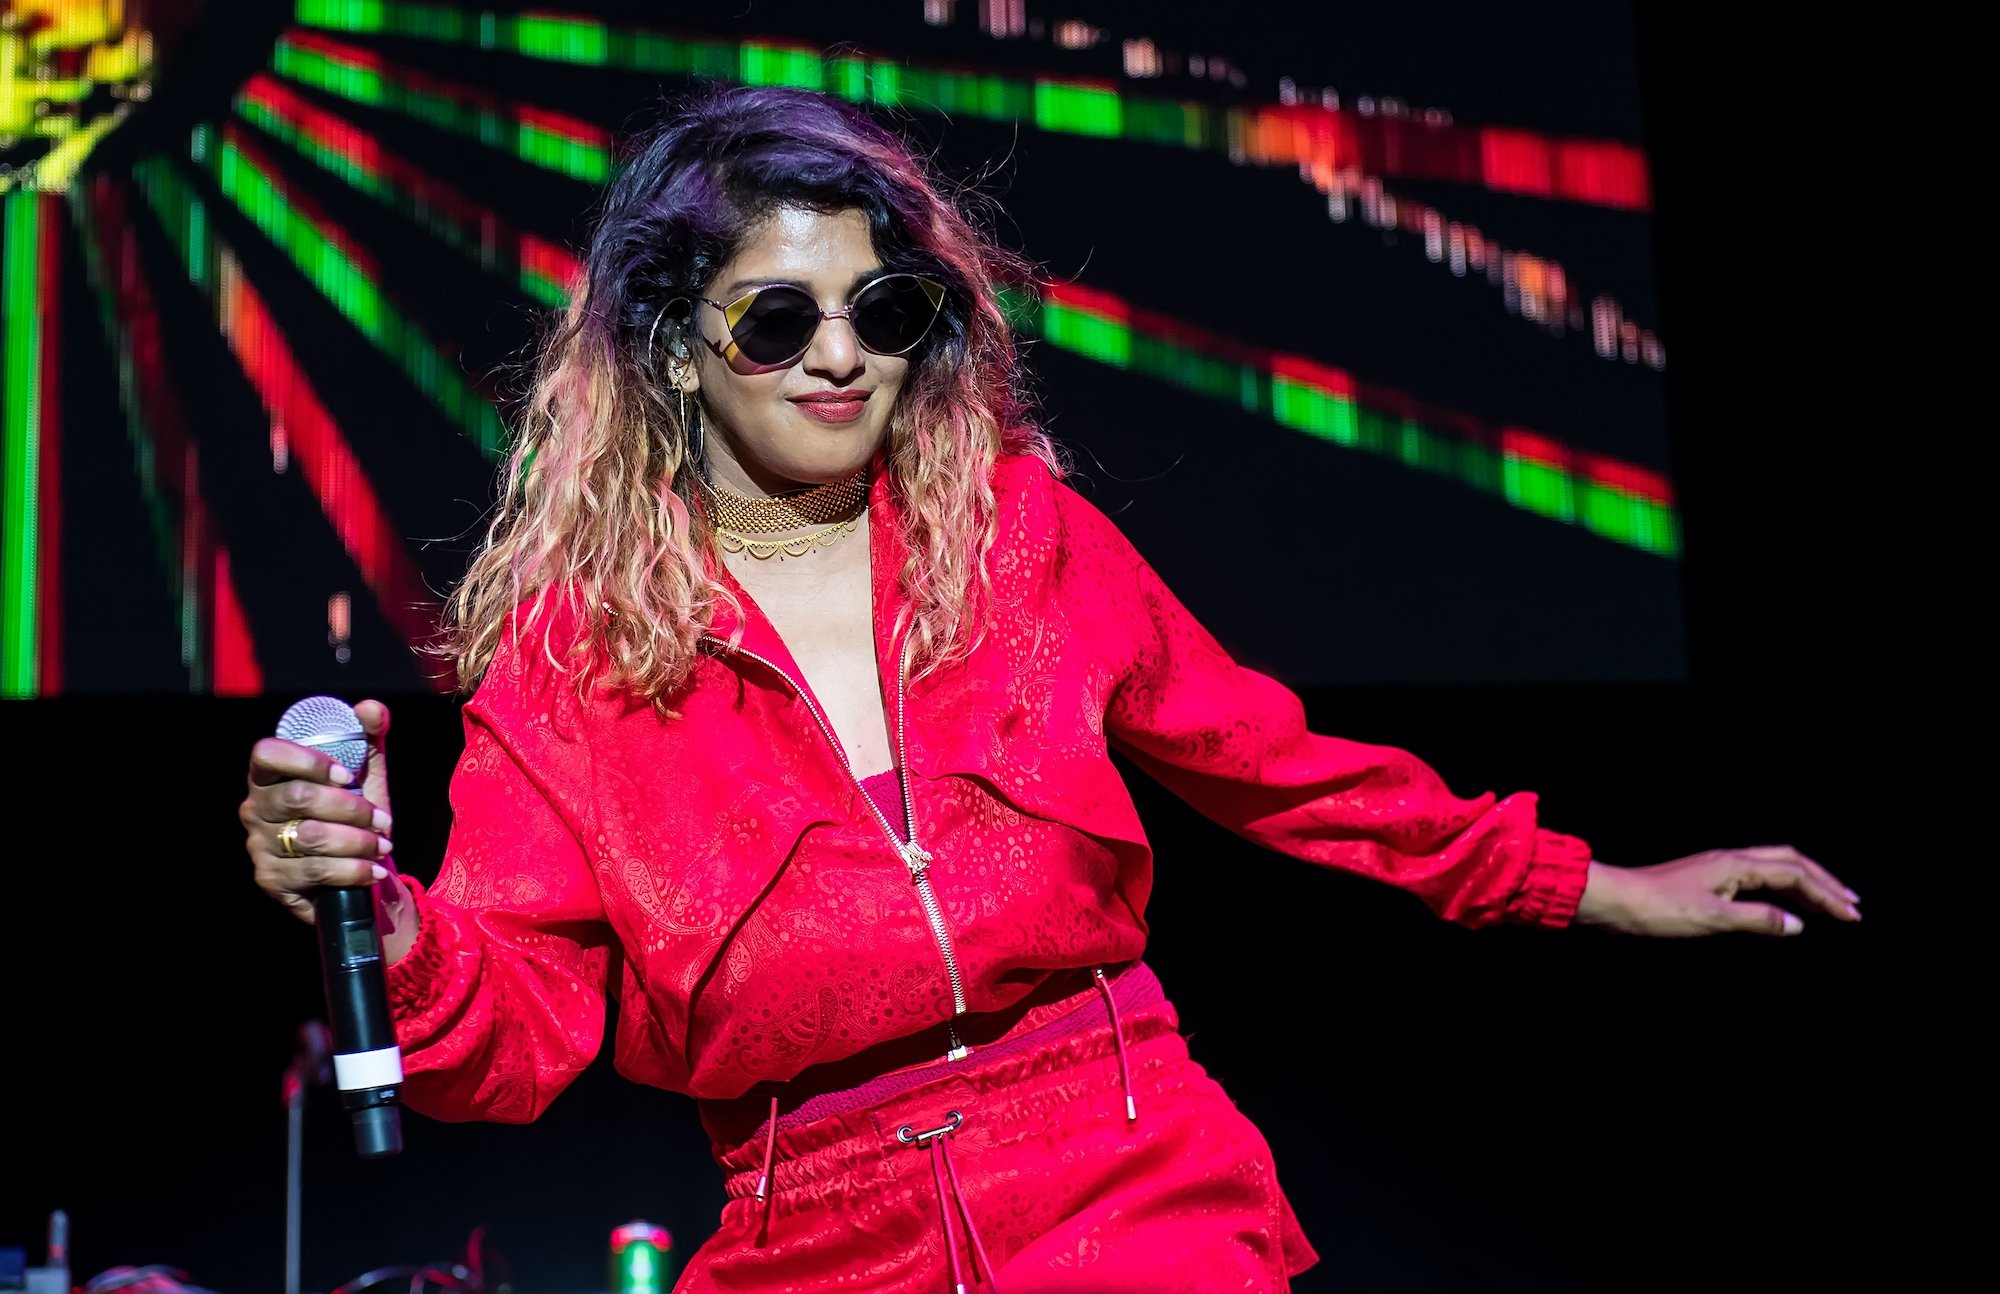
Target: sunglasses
{"x":772,"y":326}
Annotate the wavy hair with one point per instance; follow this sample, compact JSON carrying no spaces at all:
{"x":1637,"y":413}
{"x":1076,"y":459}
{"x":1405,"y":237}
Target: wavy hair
{"x":598,"y":516}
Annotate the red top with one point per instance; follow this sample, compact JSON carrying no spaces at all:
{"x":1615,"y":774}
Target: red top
{"x":721,"y":872}
{"x":886,"y":790}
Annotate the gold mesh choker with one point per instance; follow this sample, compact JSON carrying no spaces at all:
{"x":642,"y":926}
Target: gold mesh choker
{"x":835,"y":501}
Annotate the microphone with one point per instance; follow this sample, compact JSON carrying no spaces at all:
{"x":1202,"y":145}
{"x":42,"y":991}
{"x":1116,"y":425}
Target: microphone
{"x":367,"y":1064}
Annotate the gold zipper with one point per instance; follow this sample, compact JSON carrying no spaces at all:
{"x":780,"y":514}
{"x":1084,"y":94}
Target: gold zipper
{"x":914,"y":856}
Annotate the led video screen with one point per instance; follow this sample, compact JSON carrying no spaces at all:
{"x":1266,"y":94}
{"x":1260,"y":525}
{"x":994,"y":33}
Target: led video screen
{"x":1349,"y":314}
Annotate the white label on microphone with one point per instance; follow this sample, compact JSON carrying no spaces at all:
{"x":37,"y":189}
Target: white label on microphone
{"x":362,"y":1069}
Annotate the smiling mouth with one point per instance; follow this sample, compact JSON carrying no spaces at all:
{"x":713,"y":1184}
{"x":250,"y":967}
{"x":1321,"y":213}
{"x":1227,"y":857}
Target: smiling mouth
{"x":832,"y":406}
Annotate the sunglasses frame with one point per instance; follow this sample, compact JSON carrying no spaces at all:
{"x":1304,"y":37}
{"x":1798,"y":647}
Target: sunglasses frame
{"x":733,"y":311}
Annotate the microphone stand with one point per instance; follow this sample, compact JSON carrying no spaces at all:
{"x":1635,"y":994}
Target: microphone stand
{"x":311,"y":1063}
{"x":295,"y":1110}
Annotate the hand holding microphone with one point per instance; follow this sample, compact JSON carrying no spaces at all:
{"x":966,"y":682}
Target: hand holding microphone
{"x":309,"y":824}
{"x":319,"y":844}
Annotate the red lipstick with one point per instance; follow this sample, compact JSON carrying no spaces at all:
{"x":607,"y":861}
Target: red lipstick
{"x":831,"y":406}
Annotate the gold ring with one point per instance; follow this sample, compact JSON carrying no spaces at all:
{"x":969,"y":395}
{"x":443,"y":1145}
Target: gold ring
{"x":288,"y":838}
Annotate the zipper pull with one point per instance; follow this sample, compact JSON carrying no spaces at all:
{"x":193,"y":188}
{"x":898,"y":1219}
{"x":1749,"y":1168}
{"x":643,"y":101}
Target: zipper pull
{"x":959,"y":1051}
{"x":916,"y":858}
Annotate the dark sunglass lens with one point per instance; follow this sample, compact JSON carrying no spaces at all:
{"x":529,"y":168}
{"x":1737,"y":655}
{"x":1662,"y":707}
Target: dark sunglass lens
{"x":775,"y":326}
{"x":891,"y":315}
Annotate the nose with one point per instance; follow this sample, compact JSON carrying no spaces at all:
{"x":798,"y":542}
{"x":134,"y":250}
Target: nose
{"x":835,"y":353}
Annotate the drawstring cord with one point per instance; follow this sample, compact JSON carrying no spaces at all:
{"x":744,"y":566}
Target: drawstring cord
{"x":941,"y":1150}
{"x":1118,"y":1039}
{"x":944,"y":1211}
{"x":770,"y":1154}
{"x":943,"y":1171}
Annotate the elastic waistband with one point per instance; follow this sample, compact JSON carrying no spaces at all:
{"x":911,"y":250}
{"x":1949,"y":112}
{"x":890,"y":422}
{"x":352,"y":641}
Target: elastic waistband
{"x":855,"y":1141}
{"x":1134,"y":988}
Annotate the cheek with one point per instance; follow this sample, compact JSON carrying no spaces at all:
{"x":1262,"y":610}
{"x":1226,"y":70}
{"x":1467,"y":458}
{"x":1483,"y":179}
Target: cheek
{"x":895,"y":373}
{"x":737,"y":398}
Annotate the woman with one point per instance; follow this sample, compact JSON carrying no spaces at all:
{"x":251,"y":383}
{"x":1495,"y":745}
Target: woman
{"x":797,"y":669}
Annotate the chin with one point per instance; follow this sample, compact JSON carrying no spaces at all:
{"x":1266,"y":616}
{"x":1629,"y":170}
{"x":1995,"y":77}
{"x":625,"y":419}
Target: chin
{"x":840,"y":455}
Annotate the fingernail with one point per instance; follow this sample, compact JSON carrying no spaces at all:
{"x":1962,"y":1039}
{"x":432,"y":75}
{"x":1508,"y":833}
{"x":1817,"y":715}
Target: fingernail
{"x":1852,"y":897}
{"x":340,"y":774}
{"x":382,"y":846}
{"x":380,"y":872}
{"x":1793,"y":925}
{"x":1854,"y":914}
{"x":382,"y":822}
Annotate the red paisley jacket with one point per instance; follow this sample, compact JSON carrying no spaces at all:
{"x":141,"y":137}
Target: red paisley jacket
{"x":723,"y":875}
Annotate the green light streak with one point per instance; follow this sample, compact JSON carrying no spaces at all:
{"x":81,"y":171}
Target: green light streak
{"x":1078,"y":109}
{"x":554,"y":152}
{"x":328,"y":266}
{"x":544,"y":289}
{"x":562,"y":40}
{"x":533,"y":144}
{"x":305,"y":145}
{"x":342,"y":15}
{"x":1065,"y":107}
{"x":406,"y":201}
{"x":160,"y":513}
{"x":1313,"y":411}
{"x":1527,"y":483}
{"x":20,"y":454}
{"x":350,"y":82}
{"x":776,"y":65}
{"x":322,"y":260}
{"x":1088,"y":334}
{"x":1539,"y":488}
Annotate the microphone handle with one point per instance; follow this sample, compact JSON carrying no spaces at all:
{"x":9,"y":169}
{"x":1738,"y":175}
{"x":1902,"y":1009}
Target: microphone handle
{"x":367,"y":1064}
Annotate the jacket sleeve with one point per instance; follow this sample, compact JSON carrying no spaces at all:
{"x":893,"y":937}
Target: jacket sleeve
{"x":1233,"y":743}
{"x":500,"y":1002}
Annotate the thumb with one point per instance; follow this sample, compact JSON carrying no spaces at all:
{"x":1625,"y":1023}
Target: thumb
{"x":1757,"y":919}
{"x":374,"y":718}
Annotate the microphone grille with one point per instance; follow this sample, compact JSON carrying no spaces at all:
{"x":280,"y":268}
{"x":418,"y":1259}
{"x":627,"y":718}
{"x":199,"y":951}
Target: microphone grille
{"x":327,"y":724}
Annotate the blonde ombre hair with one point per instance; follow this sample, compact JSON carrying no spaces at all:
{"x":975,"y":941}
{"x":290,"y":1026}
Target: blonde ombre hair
{"x":597,"y":530}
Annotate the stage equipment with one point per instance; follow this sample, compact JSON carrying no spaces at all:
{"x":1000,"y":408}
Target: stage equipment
{"x":312,"y":1065}
{"x":642,"y":1259}
{"x":481,"y":1270}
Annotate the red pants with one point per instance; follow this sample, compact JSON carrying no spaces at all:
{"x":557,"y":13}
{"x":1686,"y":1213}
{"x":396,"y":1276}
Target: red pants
{"x":1041,"y":1185}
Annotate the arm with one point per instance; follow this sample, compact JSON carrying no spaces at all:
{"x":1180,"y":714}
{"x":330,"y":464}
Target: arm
{"x":1234,"y":744}
{"x":499,"y":969}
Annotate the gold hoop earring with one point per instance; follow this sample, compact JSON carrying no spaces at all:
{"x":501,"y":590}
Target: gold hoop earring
{"x":690,"y":427}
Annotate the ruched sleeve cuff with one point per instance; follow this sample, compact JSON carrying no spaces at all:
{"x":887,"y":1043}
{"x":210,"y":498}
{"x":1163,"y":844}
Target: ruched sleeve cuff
{"x":420,"y":979}
{"x":1556,"y":875}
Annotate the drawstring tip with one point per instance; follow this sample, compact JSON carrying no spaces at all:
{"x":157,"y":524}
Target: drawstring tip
{"x":770,"y":1151}
{"x":1118,"y":1042}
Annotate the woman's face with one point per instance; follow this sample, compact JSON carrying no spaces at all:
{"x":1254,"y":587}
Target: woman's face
{"x":821,"y":418}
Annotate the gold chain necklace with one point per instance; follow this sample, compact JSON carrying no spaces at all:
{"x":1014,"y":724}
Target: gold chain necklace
{"x":736,"y":542}
{"x":820,"y":505}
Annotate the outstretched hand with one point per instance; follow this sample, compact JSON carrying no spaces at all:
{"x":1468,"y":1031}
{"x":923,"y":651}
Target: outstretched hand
{"x":1702,"y":894}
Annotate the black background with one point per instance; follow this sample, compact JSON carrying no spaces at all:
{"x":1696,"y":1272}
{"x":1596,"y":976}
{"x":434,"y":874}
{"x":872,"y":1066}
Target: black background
{"x":1508,"y":1110}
